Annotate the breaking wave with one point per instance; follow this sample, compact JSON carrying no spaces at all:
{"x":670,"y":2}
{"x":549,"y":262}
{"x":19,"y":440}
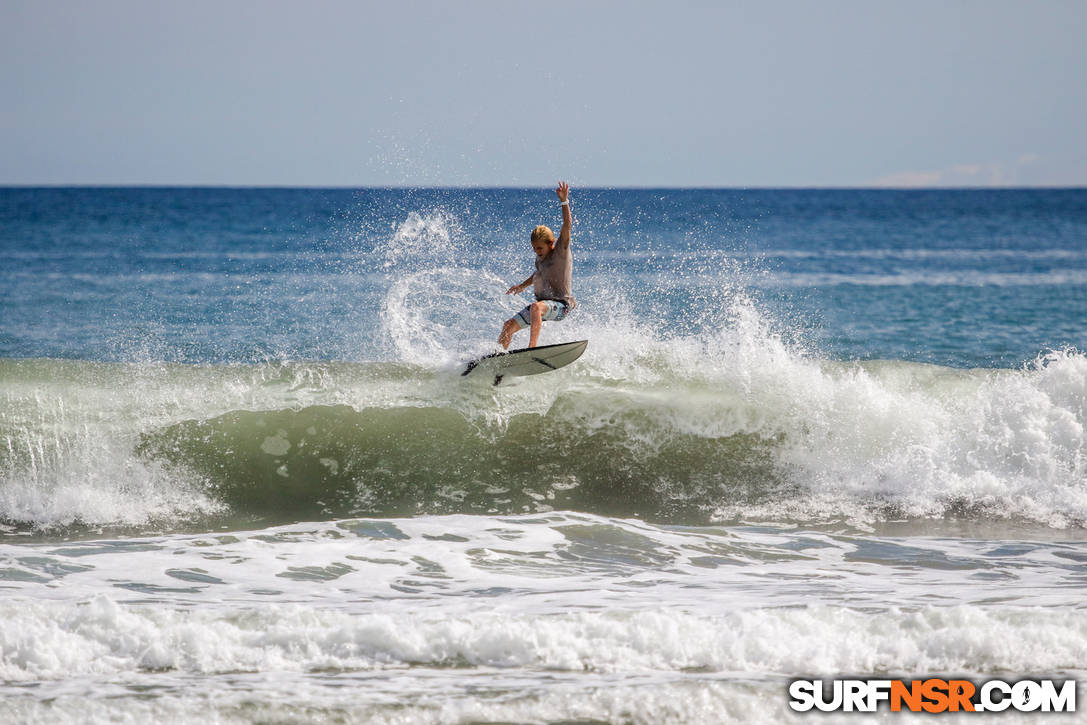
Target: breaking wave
{"x":736,"y":425}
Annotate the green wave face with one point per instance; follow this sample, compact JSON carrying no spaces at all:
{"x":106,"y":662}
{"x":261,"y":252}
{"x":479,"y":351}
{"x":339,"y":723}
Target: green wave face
{"x":336,"y":461}
{"x":763,"y":435}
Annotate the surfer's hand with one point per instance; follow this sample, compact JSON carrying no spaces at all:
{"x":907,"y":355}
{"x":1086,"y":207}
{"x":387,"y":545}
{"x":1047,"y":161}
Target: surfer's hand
{"x":514,"y":290}
{"x":563,"y":191}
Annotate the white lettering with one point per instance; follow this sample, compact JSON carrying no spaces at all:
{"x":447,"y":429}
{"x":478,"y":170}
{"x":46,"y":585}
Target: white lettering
{"x":988,"y":703}
{"x":1026,"y":696}
{"x":854,"y":697}
{"x":1063,"y":701}
{"x":878,"y":690}
{"x":835,"y":701}
{"x":802,"y":693}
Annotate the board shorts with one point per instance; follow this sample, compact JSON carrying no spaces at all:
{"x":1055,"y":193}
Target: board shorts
{"x":555,"y":311}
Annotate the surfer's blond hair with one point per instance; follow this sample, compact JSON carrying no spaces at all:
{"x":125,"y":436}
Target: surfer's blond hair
{"x":542,"y":234}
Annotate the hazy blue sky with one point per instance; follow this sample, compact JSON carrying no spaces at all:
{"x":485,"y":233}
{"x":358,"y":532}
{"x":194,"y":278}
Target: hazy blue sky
{"x":931,"y":92}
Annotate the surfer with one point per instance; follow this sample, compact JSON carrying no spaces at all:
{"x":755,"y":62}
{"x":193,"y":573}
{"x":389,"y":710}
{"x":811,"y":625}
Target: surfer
{"x":550,"y":281}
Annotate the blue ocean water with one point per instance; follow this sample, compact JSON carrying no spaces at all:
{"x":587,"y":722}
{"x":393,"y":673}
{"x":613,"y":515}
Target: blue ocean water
{"x":815,"y":433}
{"x":968,"y":278}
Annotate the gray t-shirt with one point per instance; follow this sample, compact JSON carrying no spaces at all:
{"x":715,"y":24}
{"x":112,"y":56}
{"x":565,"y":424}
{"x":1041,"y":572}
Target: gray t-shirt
{"x":552,"y":278}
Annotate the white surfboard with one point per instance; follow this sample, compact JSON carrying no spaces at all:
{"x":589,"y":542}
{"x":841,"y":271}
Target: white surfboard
{"x":527,"y":360}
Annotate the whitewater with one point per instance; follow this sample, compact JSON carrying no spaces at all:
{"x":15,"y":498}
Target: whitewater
{"x":815,"y":434}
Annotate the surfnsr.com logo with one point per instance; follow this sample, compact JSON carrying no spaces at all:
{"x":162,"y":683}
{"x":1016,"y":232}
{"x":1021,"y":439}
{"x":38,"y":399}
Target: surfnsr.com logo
{"x":933,"y":695}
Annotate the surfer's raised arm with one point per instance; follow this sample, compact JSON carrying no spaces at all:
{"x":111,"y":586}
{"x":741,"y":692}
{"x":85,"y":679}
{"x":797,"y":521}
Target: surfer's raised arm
{"x":563,"y":192}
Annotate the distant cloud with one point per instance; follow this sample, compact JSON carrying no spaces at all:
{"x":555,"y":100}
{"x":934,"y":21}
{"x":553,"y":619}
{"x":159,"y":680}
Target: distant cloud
{"x":993,"y":173}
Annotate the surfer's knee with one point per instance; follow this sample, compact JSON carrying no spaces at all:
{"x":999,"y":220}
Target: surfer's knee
{"x":538,"y":309}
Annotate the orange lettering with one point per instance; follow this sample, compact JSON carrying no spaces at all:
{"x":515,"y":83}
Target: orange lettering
{"x":910,"y":695}
{"x":935,"y":691}
{"x":959,"y":694}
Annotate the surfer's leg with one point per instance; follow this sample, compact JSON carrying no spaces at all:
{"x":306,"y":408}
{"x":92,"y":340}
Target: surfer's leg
{"x":518,"y":322}
{"x":538,"y":310}
{"x":506,"y":335}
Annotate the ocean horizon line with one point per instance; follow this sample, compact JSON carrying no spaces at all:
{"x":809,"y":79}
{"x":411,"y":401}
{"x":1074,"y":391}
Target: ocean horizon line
{"x":518,"y":187}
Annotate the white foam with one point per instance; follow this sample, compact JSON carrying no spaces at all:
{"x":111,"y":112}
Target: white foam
{"x":998,"y":443}
{"x":562,"y":616}
{"x":426,"y":699}
{"x":53,"y":640}
{"x":862,"y":439}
